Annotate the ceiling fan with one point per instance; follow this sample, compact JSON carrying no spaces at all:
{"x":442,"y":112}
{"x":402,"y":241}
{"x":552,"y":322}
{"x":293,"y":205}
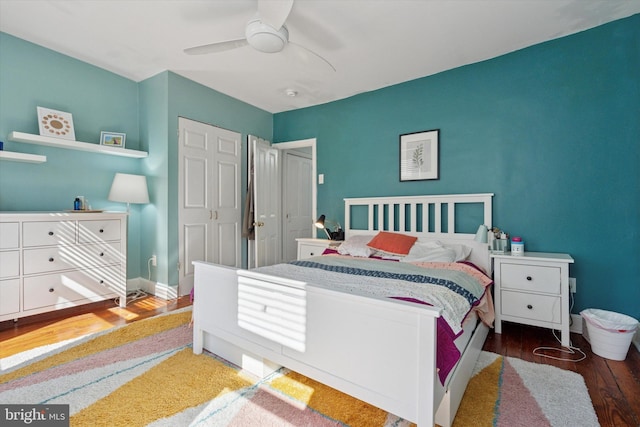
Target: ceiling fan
{"x":265,"y":32}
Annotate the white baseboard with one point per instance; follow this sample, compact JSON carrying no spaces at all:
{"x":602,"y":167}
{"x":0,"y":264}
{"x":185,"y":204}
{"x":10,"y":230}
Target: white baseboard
{"x":134,"y":284}
{"x":576,"y":324}
{"x":160,"y":290}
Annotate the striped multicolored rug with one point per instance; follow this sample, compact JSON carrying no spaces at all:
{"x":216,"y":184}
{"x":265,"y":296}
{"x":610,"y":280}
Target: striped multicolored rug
{"x":146,"y":374}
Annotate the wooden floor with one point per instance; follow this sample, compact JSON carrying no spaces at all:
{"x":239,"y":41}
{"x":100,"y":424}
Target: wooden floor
{"x":36,"y":331}
{"x":614,"y":386}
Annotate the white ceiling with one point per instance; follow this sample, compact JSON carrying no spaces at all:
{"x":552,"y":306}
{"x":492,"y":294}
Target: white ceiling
{"x":371,"y":43}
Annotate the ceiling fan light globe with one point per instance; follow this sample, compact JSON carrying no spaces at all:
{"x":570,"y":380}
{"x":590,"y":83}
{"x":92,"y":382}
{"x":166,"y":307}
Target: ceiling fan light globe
{"x":265,"y":38}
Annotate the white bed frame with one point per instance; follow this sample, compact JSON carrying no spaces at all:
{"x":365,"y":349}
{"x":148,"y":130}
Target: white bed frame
{"x":379,"y":350}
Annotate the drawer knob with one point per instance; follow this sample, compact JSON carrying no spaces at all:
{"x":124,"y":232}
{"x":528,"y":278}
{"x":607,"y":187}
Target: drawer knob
{"x":51,"y":259}
{"x":311,"y":253}
{"x":529,"y":306}
{"x":102,"y":282}
{"x":51,"y":233}
{"x":51,"y":289}
{"x":529,"y":278}
{"x":101,"y":253}
{"x":102,"y":230}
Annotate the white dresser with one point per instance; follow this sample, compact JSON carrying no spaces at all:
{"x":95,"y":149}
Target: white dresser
{"x":533,"y":289}
{"x":50,"y":261}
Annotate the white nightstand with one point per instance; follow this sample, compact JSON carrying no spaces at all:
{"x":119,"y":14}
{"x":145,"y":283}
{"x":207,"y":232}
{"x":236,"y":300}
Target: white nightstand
{"x":533,"y":289}
{"x":308,"y":247}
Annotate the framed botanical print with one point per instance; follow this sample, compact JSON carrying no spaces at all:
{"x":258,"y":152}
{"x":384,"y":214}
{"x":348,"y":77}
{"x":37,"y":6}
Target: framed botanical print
{"x":419,"y":155}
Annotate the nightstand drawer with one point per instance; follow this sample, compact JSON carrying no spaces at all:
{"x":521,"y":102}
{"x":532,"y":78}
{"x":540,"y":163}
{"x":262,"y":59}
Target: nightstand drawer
{"x":531,"y":278}
{"x":308,"y":251}
{"x":545,"y":308}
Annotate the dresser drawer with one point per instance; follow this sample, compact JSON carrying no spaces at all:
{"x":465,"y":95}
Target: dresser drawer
{"x":94,"y":231}
{"x":9,"y":296}
{"x":9,"y":264}
{"x":545,"y":308}
{"x":533,"y":278}
{"x":57,"y":258}
{"x":70,"y":288}
{"x":9,"y":235}
{"x":48,"y":233}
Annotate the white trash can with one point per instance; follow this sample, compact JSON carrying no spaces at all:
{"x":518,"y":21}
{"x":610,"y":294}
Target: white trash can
{"x":610,"y":333}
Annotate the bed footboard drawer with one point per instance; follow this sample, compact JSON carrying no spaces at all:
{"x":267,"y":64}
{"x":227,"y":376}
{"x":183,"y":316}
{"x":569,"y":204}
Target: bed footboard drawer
{"x":273,"y":311}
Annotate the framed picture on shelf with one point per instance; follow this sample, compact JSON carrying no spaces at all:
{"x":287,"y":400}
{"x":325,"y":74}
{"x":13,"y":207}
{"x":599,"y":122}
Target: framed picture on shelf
{"x":57,"y":124}
{"x":113,"y":139}
{"x":419,"y":155}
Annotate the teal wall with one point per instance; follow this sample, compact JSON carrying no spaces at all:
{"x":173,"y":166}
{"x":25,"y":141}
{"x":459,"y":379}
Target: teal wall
{"x":32,"y":76}
{"x":552,"y":130}
{"x":147,"y":112}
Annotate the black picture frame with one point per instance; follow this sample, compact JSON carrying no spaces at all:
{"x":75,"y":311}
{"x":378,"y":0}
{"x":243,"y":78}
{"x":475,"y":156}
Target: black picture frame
{"x":420,"y":155}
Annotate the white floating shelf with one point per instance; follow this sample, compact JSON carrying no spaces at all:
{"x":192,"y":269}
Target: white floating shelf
{"x":75,"y":145}
{"x":22,"y":157}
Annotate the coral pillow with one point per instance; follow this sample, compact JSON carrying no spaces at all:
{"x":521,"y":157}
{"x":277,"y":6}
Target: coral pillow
{"x":393,"y":243}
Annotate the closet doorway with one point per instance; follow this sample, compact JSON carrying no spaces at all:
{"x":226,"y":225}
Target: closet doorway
{"x":291,"y":202}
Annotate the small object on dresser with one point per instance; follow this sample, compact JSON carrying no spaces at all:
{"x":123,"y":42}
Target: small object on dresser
{"x":76,"y":204}
{"x":517,"y":246}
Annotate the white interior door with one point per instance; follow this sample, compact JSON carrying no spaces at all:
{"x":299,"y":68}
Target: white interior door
{"x":267,"y":202}
{"x":296,"y":200}
{"x":209,"y":213}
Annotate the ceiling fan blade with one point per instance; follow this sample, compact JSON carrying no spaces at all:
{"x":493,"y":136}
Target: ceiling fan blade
{"x":274,"y":12}
{"x":216,"y":47}
{"x":303,"y":53}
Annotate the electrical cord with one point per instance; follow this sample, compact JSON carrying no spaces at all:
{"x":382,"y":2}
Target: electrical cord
{"x":132,"y":296}
{"x":566,"y":350}
{"x":138,"y":293}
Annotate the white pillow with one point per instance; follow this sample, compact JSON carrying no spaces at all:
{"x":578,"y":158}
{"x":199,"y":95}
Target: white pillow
{"x":430,"y":251}
{"x":462,"y":251}
{"x":356,"y":246}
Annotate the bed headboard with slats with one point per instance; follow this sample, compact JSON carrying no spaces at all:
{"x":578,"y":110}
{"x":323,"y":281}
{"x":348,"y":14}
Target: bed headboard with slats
{"x":432,"y":217}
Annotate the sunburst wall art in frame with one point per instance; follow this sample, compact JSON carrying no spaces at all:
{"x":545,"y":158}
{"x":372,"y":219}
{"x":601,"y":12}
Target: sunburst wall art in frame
{"x":57,"y":124}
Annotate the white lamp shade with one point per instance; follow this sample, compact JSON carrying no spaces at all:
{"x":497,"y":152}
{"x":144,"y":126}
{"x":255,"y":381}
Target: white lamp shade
{"x":129,"y":188}
{"x":482,"y":234}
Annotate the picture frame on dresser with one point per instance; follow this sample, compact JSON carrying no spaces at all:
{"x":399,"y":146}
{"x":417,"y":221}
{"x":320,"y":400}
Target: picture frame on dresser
{"x":419,"y":155}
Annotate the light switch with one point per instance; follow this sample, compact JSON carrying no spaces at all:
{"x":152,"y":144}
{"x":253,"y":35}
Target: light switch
{"x":321,"y":178}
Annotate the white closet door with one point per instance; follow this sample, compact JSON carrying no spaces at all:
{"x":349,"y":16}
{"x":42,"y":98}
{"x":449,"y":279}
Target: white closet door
{"x":209,"y":197}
